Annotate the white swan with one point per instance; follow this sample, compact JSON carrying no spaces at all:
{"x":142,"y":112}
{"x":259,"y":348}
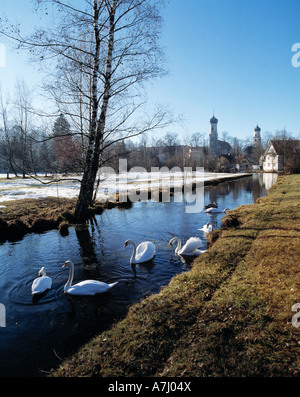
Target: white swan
{"x":211,"y":205}
{"x":87,"y":287}
{"x":207,"y":228}
{"x":41,"y":283}
{"x":213,"y":210}
{"x":191,"y":247}
{"x":144,"y":252}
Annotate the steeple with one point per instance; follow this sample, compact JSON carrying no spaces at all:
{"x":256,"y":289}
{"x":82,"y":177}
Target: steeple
{"x":213,"y":137}
{"x":256,"y":136}
{"x":213,"y":120}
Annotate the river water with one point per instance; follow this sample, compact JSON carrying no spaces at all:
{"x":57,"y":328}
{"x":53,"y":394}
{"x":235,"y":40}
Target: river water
{"x":38,"y":334}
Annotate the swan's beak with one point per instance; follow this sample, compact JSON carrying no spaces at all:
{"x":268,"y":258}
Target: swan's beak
{"x":125,"y":245}
{"x":64,"y":265}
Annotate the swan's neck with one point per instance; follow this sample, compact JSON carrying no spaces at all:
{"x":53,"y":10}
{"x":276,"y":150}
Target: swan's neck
{"x":42,"y":272}
{"x":71,"y":276}
{"x":133,"y":252}
{"x":178,"y":244}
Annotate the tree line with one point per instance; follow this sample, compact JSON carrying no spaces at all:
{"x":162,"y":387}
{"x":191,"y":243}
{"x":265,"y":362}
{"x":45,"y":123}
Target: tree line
{"x":26,"y":149}
{"x":29,"y":150}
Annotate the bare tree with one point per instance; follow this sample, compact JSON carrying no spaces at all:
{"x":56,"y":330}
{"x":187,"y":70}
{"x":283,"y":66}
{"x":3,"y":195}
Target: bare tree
{"x":23,"y":115}
{"x":197,"y":139}
{"x":236,"y":146}
{"x":6,"y":141}
{"x":109,"y":48}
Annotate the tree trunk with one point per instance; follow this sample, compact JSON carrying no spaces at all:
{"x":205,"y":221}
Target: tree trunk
{"x":85,"y":198}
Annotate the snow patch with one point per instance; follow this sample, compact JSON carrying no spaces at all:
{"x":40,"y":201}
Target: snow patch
{"x":18,"y":188}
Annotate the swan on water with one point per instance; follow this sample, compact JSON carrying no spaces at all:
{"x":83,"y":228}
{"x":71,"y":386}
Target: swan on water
{"x":87,"y":287}
{"x":191,"y":247}
{"x":207,"y":228}
{"x":211,"y":205}
{"x":144,"y":252}
{"x":41,"y":283}
{"x":213,"y":210}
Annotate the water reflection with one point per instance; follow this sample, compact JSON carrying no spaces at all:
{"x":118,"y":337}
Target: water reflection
{"x":37,"y":334}
{"x":269,"y":179}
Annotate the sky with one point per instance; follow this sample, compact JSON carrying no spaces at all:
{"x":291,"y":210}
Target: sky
{"x":230,"y":58}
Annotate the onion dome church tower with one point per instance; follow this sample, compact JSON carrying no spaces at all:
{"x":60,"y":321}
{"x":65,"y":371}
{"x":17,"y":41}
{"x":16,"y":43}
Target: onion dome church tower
{"x":257,"y":137}
{"x":213,"y":136}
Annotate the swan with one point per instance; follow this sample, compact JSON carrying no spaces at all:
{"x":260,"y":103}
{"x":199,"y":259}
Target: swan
{"x":213,"y":210}
{"x":191,"y":247}
{"x":144,"y":252}
{"x":207,"y":228}
{"x":41,"y":283}
{"x":87,"y":287}
{"x":211,"y":205}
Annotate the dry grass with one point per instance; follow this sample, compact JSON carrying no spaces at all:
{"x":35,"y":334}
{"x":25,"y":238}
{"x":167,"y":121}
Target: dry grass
{"x":30,"y":215}
{"x":229,"y":316}
{"x":38,"y":215}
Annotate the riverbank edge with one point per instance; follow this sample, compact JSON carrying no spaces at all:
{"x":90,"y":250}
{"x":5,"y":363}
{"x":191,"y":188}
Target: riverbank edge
{"x":230,"y":315}
{"x":19,"y":217}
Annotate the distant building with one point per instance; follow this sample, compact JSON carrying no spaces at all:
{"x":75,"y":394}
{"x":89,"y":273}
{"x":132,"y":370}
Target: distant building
{"x":242,"y":163}
{"x":225,"y":163}
{"x":281,"y":155}
{"x":216,"y":146}
{"x":253,"y":152}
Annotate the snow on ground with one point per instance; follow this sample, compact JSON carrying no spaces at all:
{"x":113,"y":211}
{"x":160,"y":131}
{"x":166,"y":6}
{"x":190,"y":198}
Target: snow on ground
{"x":19,"y":188}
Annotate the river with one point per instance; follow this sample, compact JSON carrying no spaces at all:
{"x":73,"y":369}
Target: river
{"x":39,"y":334}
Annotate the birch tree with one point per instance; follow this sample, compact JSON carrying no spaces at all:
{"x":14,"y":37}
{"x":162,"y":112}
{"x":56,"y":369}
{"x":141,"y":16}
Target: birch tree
{"x":106,"y":50}
{"x":22,"y":107}
{"x":6,"y":140}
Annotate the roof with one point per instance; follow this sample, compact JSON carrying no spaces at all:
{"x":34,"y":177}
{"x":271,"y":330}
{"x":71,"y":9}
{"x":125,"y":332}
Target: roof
{"x":285,"y":147}
{"x":239,"y":159}
{"x":248,"y":150}
{"x":213,"y":120}
{"x":224,"y":145}
{"x":257,"y":128}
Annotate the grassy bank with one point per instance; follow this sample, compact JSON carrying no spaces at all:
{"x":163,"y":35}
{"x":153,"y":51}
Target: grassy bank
{"x":19,"y":217}
{"x":229,"y":316}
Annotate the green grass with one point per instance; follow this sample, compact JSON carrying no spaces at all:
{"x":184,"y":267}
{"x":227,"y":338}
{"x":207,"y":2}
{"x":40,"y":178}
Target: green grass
{"x":229,"y":316}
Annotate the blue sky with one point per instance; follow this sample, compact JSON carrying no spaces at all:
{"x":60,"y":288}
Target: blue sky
{"x":230,"y":57}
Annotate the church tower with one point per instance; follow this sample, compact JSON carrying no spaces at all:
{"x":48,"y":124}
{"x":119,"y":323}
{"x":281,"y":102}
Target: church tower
{"x":257,"y":137}
{"x":213,"y":136}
